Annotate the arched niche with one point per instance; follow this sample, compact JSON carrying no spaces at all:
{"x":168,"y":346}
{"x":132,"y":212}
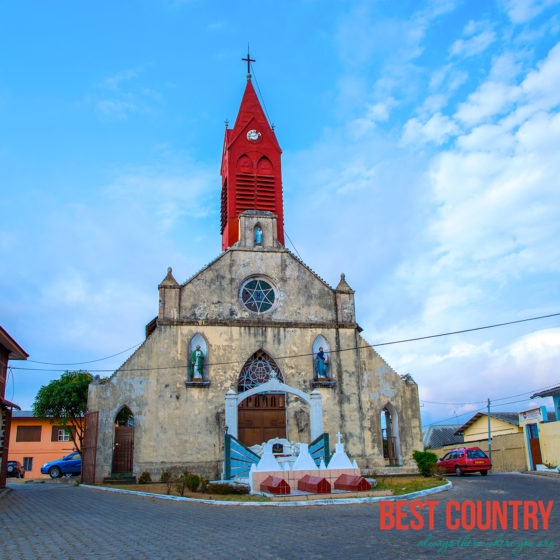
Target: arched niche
{"x":258,"y":235}
{"x":264,"y":166}
{"x":321,"y":358}
{"x":197,"y":367}
{"x":244,"y":164}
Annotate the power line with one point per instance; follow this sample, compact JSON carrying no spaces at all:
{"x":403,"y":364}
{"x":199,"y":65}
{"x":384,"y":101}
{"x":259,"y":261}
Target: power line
{"x":89,"y":362}
{"x":307,"y":354}
{"x":494,"y":399}
{"x":467,"y":330}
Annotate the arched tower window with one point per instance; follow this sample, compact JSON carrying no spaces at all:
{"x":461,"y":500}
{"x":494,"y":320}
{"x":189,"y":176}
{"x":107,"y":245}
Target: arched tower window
{"x":258,"y":369}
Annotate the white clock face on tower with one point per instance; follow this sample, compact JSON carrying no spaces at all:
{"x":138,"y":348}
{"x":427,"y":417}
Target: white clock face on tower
{"x":253,"y":135}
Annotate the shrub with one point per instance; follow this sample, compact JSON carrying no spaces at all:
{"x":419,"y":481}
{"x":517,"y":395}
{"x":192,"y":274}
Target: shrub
{"x":226,"y":488}
{"x":192,"y":481}
{"x":426,"y":461}
{"x":181,"y":483}
{"x":204,"y":482}
{"x":144,"y":478}
{"x":165,"y":476}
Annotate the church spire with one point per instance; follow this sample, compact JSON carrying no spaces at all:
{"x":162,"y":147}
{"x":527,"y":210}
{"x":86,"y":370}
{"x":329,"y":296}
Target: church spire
{"x":251,"y":167}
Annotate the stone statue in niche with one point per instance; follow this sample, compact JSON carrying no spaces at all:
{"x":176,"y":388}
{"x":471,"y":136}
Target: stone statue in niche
{"x":197,"y":364}
{"x":321,"y":363}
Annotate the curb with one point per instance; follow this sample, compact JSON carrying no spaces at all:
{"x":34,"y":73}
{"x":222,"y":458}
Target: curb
{"x":328,"y":502}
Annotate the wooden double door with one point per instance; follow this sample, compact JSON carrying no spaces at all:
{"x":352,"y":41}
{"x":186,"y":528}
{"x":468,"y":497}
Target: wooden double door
{"x":261,"y":417}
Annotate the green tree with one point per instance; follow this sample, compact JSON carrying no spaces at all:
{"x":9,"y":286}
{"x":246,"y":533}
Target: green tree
{"x":63,"y":401}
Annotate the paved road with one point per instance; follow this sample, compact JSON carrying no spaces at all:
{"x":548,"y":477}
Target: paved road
{"x":61,"y":521}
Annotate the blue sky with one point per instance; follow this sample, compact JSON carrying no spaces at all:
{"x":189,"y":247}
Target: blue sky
{"x":420,"y":157}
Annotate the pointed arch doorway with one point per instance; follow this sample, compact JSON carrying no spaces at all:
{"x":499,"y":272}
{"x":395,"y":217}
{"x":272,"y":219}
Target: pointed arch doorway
{"x":260,"y":416}
{"x":123,"y":443}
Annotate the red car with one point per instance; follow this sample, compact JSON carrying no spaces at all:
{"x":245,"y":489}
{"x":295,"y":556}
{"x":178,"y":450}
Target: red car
{"x":464,"y":460}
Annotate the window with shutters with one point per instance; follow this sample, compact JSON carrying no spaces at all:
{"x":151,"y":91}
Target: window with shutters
{"x":59,"y":434}
{"x":28,"y":433}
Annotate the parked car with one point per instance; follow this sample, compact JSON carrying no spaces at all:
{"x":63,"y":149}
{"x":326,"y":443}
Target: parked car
{"x":14,"y":468}
{"x":464,"y":460}
{"x":69,"y":465}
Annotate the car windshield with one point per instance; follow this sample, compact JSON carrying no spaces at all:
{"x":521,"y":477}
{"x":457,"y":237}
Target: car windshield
{"x":476,"y":454}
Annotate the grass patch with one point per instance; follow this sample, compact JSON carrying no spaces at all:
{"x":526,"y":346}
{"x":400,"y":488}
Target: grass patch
{"x":400,"y":485}
{"x":397,"y":485}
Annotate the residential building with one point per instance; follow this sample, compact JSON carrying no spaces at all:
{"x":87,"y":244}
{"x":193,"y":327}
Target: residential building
{"x":35,"y":441}
{"x":9,"y":350}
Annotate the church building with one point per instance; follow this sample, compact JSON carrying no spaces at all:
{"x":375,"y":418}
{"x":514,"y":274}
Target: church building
{"x":254,"y":347}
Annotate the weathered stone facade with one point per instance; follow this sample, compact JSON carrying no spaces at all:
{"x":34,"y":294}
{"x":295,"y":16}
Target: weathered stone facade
{"x":179,"y":422}
{"x":258,"y":314}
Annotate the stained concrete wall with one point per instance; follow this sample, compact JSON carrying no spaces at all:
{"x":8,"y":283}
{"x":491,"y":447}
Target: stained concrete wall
{"x":178,"y":425}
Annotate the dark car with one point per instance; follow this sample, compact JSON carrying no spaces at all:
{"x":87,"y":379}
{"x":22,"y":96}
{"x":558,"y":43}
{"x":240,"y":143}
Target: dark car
{"x":464,"y":460}
{"x":69,"y":465}
{"x":14,"y":468}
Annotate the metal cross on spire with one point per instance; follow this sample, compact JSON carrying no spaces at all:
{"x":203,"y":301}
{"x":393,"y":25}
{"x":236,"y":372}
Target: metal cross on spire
{"x":248,"y":60}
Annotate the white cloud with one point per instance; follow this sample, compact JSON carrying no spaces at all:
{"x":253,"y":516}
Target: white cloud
{"x":473,"y":45}
{"x":438,"y":129}
{"x":521,"y":11}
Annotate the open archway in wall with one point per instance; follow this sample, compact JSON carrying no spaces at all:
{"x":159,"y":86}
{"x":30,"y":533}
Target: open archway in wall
{"x":261,"y":416}
{"x":123,"y":442}
{"x":389,"y":422}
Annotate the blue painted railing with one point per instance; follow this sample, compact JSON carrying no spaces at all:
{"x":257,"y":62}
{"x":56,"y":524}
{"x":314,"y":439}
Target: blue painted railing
{"x":320,"y":449}
{"x":238,"y":459}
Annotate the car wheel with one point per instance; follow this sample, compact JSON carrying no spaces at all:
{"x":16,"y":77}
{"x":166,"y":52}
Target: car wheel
{"x":55,"y":472}
{"x":458,"y":471}
{"x":483,"y":473}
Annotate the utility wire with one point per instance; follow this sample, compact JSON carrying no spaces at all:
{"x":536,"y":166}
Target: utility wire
{"x":307,"y":354}
{"x":90,"y":362}
{"x":466,"y":330}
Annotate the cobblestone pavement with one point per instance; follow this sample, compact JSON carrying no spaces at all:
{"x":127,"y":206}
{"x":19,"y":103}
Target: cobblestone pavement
{"x":63,"y":521}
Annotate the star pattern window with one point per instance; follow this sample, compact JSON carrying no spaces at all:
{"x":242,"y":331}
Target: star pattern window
{"x":258,"y":295}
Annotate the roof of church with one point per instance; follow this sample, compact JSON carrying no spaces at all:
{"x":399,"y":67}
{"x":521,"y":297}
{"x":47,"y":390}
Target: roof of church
{"x":281,"y":249}
{"x":250,"y":110}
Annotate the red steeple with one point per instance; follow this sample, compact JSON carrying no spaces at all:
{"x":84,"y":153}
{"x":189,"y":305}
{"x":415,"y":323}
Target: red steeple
{"x":251,"y":168}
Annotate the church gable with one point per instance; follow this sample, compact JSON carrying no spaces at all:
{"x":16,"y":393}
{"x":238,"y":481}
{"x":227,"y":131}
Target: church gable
{"x":243,"y":285}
